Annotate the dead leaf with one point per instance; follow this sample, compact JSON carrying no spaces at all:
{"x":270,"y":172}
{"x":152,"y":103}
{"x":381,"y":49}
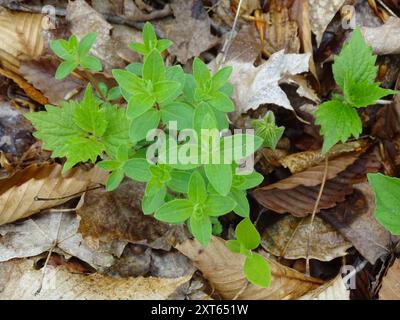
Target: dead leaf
{"x":51,"y":232}
{"x":40,"y":73}
{"x":224,"y":270}
{"x":18,"y":193}
{"x":20,"y":281}
{"x":298,"y":193}
{"x":30,"y":91}
{"x":332,"y":290}
{"x":21,"y":38}
{"x":288,"y":237}
{"x":117,"y":215}
{"x":355,"y":219}
{"x":321,"y":14}
{"x":390,"y":289}
{"x":84,"y":19}
{"x":300,"y":161}
{"x":260,"y":85}
{"x":385,"y":39}
{"x":190,"y":30}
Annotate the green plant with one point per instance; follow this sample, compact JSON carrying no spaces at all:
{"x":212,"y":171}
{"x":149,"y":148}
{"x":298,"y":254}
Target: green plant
{"x":387,"y":201}
{"x":190,"y":169}
{"x":354,"y":71}
{"x":268,"y":130}
{"x":256,"y":267}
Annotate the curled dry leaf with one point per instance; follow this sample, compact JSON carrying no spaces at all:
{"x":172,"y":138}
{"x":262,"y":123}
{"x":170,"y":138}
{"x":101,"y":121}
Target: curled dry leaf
{"x":224,"y":270}
{"x":355,"y":220}
{"x":298,"y":193}
{"x":190,"y":30}
{"x":52,"y":232}
{"x":40,"y":73}
{"x":332,"y":290}
{"x":390,"y":289}
{"x":84,"y":19}
{"x":117,"y":215}
{"x":385,"y":39}
{"x":288,"y":237}
{"x":301,"y":161}
{"x":321,"y":14}
{"x":18,"y":192}
{"x":21,"y":38}
{"x":20,"y":281}
{"x":260,"y":85}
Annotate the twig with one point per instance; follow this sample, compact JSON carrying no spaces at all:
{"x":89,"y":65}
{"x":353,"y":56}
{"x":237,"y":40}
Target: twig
{"x":387,"y":8}
{"x":311,"y":227}
{"x":37,"y":198}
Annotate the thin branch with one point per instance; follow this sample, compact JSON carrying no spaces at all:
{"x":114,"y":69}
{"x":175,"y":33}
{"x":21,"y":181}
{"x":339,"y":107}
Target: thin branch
{"x":311,"y":226}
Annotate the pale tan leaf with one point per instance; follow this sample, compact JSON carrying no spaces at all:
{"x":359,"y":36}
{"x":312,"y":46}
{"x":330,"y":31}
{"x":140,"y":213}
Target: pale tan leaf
{"x":385,"y":39}
{"x":19,"y":280}
{"x":224,"y":270}
{"x":18,"y":193}
{"x":57,"y":232}
{"x":390,"y":289}
{"x":332,"y":290}
{"x":288,"y":237}
{"x":21,"y":38}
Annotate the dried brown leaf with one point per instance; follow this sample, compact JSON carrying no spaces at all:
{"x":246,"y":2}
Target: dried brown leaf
{"x":332,"y":290}
{"x":298,"y":193}
{"x":224,"y":270}
{"x":390,"y":289}
{"x":19,"y":280}
{"x":385,"y":39}
{"x":18,"y":192}
{"x":288,"y":237}
{"x":355,"y":219}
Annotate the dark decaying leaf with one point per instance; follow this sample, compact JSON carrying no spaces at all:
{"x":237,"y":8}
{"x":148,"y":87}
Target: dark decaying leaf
{"x":355,"y":219}
{"x":298,"y":193}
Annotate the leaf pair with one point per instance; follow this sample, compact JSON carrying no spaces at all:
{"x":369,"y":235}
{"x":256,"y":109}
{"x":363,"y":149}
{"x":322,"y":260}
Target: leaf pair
{"x":354,"y":71}
{"x":256,"y":268}
{"x":75,"y":54}
{"x":198,"y":209}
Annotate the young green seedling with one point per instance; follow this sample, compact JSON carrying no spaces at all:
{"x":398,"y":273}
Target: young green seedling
{"x":354,"y":71}
{"x":268,"y":130}
{"x":256,"y":268}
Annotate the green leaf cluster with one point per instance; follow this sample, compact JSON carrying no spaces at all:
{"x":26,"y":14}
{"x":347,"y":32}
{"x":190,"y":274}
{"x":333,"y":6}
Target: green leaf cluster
{"x":267,"y":129}
{"x":256,"y":268}
{"x":75,"y":54}
{"x":354,"y":71}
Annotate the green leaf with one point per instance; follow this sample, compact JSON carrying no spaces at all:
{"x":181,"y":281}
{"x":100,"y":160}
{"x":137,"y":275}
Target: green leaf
{"x":180,"y":112}
{"x":247,"y":181}
{"x":268,"y":130}
{"x":139,"y":104}
{"x":216,"y":205}
{"x":88,"y":115}
{"x":153,"y":67}
{"x":60,"y":48}
{"x":247,"y":234}
{"x":139,"y":48}
{"x":257,"y":270}
{"x":114,"y":94}
{"x":197,"y":192}
{"x":65,"y":69}
{"x":242,"y":207}
{"x":220,"y":177}
{"x":201,"y":228}
{"x":233,"y":245}
{"x":221,"y":102}
{"x":387,"y":201}
{"x":86,"y":43}
{"x":166,"y":91}
{"x":109,"y":165}
{"x":175,"y":211}
{"x":141,"y":125}
{"x":114,"y":180}
{"x":149,"y":35}
{"x":153,"y":201}
{"x":338,"y":122}
{"x":239,"y":146}
{"x":135,"y":68}
{"x":364,"y":94}
{"x":201,"y":73}
{"x":163,"y":44}
{"x":179,"y":181}
{"x":138,"y":169}
{"x":129,"y":82}
{"x":355,"y":61}
{"x":221,"y":78}
{"x":203,"y":111}
{"x":177,"y":74}
{"x":91,"y":63}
